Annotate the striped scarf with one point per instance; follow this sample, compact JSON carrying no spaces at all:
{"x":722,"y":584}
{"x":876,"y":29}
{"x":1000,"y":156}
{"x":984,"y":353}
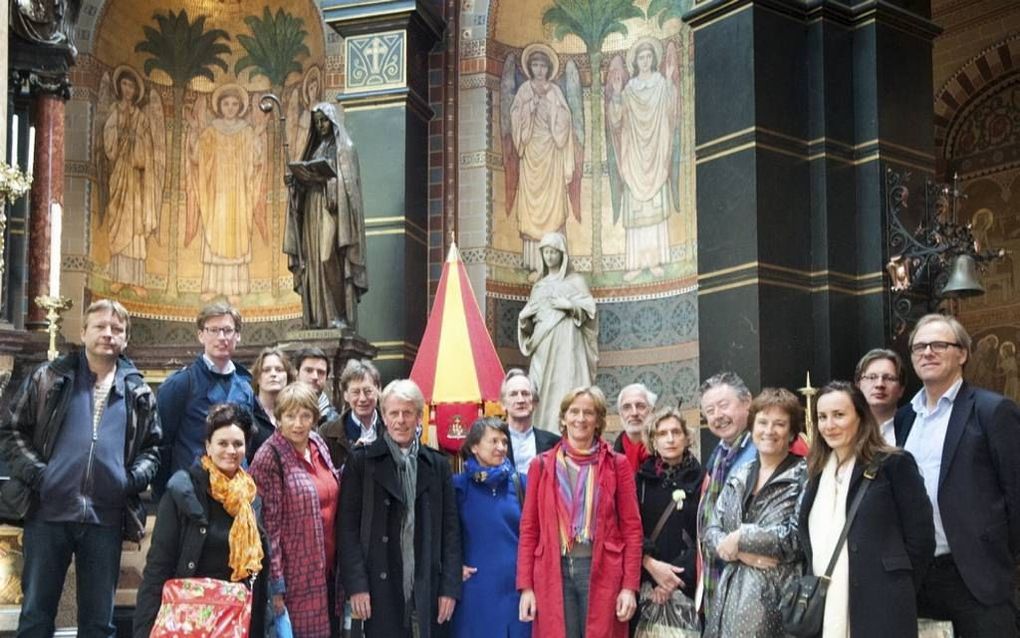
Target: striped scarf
{"x":575,"y":507}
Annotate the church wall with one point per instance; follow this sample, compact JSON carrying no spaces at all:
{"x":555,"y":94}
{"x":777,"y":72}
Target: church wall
{"x":977,"y":90}
{"x":648,"y":328}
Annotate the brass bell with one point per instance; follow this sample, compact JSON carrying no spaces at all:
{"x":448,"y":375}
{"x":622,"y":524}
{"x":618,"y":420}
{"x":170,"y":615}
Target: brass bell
{"x":963,"y":279}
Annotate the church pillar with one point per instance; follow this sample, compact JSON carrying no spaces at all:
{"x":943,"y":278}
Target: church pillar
{"x":47,"y":189}
{"x":385,"y":99}
{"x":800,"y":107}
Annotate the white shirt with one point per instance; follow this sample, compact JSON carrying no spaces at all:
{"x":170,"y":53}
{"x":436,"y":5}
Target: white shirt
{"x":368,"y":435}
{"x":926,"y":440}
{"x":227,"y":369}
{"x":888,"y":432}
{"x":524,"y":448}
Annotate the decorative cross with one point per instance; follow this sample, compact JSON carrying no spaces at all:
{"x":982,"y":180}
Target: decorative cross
{"x":374,"y":52}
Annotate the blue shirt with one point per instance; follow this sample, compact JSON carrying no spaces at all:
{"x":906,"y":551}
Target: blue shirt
{"x":926,"y":439}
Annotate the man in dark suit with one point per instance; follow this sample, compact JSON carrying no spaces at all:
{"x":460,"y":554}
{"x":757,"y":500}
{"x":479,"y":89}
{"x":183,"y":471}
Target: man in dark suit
{"x":966,"y":441}
{"x":399,"y":535}
{"x":526,"y":442}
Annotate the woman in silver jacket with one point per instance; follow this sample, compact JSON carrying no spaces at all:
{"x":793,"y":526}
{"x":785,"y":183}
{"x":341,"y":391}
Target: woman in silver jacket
{"x":754,"y":527}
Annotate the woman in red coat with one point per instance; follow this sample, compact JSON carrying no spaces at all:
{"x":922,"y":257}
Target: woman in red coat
{"x":579,"y":560}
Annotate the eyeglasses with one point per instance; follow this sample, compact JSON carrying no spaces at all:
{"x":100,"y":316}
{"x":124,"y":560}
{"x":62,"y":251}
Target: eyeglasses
{"x":937,"y":347}
{"x":886,"y":378}
{"x":223,"y":332}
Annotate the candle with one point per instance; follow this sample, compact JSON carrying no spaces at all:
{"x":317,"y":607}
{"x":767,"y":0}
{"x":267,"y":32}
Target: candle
{"x":13,"y":161}
{"x":56,"y":212}
{"x":31,"y":149}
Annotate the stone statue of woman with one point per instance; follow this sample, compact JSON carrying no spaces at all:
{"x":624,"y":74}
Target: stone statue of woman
{"x":558,"y":330}
{"x":325,"y":235}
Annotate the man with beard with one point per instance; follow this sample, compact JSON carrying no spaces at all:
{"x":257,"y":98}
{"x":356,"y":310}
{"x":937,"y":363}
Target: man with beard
{"x":634,"y":403}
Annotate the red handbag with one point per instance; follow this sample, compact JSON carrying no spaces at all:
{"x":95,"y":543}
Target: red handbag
{"x":203,"y":608}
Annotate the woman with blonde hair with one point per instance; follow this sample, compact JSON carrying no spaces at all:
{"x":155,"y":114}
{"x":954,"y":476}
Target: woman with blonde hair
{"x":579,"y":560}
{"x":300,"y":489}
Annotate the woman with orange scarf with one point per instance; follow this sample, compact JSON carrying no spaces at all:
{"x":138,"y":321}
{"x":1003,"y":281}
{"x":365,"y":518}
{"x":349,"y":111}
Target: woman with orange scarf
{"x":209,"y":524}
{"x":579,"y":559}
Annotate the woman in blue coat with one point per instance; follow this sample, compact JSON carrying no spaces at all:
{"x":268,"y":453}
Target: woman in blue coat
{"x":489,"y":498}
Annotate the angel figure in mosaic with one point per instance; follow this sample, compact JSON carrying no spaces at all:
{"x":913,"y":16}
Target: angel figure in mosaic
{"x":299,"y":110}
{"x":130,"y":158}
{"x":542,"y":127}
{"x":226,"y":188}
{"x":643,"y":107}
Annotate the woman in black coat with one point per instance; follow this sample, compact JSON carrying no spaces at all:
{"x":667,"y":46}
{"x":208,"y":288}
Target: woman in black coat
{"x":892,"y":538}
{"x":671,"y":477}
{"x":192,"y":532}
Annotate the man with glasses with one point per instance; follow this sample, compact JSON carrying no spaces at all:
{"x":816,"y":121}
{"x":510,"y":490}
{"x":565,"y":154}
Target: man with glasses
{"x":966,"y":441}
{"x":360,"y":422}
{"x":185,"y":397}
{"x":881,"y":378}
{"x":634,"y":403}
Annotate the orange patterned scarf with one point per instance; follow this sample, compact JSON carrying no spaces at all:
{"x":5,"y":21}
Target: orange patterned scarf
{"x":236,"y":495}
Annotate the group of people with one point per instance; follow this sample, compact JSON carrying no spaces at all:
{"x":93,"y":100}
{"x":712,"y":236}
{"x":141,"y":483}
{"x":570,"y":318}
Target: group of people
{"x":334,"y":517}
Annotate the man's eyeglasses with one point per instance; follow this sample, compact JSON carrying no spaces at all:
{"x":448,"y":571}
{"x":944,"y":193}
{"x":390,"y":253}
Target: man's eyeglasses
{"x":886,"y":378}
{"x":937,"y":347}
{"x":223,"y":332}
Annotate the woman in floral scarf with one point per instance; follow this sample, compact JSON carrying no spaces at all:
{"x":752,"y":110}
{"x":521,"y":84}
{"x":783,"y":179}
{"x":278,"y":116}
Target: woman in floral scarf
{"x":209,"y":524}
{"x":579,"y":561}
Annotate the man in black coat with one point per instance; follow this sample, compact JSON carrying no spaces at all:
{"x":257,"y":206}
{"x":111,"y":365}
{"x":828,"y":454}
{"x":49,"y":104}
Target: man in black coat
{"x":518,"y":397}
{"x":967,"y":444}
{"x":400,"y":564}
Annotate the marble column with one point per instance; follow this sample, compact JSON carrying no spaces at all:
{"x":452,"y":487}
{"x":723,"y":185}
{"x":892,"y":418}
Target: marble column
{"x":47,"y":188}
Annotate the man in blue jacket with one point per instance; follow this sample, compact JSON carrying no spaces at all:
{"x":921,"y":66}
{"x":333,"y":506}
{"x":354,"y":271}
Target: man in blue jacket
{"x":186,"y":396}
{"x":81,"y":442}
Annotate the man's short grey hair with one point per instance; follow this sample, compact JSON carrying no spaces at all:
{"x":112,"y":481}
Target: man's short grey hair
{"x":650,"y":397}
{"x":405,"y":390}
{"x":517,"y":372}
{"x":359,"y":370}
{"x":729,"y":378}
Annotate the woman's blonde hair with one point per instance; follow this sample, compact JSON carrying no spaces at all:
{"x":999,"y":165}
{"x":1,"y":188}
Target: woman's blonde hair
{"x":648,"y":433}
{"x":296,"y":396}
{"x":597,"y":397}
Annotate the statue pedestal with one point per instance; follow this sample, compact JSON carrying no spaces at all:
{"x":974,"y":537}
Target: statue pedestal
{"x":340,"y":345}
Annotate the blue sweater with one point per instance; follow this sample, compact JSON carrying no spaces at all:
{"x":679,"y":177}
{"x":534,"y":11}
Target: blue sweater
{"x":183,"y":403}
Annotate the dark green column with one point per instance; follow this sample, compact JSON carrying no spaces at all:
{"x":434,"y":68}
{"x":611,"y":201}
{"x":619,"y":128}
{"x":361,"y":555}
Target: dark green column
{"x":387,"y":114}
{"x":800,"y":106}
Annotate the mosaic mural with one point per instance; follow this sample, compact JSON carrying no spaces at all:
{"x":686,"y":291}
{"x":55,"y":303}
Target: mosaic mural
{"x":186,"y":196}
{"x":593,"y":129}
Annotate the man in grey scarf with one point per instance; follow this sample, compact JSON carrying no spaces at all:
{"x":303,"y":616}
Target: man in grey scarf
{"x":400,"y":556}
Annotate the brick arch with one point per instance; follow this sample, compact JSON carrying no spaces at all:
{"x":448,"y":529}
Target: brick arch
{"x":971,"y":80}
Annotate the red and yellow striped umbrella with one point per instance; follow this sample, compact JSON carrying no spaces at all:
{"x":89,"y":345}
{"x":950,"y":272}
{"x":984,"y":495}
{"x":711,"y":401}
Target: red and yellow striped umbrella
{"x":456,"y":362}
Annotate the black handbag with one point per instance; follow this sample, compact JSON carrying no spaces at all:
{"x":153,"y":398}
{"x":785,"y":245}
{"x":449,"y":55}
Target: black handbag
{"x":803,"y":602}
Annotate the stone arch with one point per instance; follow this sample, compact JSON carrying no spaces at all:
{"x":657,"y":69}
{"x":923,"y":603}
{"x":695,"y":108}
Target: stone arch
{"x":971,"y":80}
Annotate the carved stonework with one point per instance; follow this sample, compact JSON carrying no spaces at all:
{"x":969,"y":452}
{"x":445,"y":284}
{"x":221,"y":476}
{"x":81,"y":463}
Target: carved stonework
{"x":376,"y":61}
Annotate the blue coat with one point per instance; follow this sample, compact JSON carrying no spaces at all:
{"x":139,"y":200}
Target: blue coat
{"x":490,"y":530}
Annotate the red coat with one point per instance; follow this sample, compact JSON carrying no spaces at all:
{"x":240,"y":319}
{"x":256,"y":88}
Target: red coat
{"x":616,"y":553}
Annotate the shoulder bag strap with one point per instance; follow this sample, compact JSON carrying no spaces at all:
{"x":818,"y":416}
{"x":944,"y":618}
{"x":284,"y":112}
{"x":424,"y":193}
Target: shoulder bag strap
{"x":869,"y":474}
{"x":516,"y":478}
{"x":666,"y":513}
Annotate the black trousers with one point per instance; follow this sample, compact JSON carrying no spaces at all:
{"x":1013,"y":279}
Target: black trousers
{"x":944,"y":596}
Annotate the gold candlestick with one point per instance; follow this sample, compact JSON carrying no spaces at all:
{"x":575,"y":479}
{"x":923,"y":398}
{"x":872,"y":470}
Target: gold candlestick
{"x":809,"y":393}
{"x":54,"y":307}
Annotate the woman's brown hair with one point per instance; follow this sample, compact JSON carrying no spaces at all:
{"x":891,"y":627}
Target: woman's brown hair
{"x":869,"y":437}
